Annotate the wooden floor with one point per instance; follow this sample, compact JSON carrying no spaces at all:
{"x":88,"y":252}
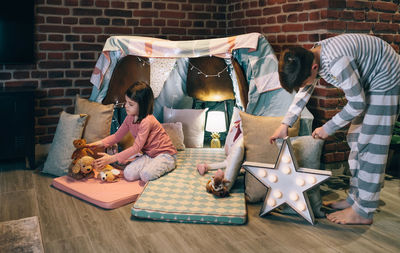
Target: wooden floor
{"x":71,"y":225}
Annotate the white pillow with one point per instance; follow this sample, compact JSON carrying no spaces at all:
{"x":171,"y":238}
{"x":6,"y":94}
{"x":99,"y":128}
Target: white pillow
{"x":175,"y":133}
{"x":193,"y":122}
{"x":70,"y":127}
{"x":235,"y":130}
{"x":234,"y":161}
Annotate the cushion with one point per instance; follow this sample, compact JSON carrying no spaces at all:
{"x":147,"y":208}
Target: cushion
{"x":256,"y":133}
{"x":307,"y":151}
{"x":193,"y":122}
{"x":69,"y":128}
{"x":98,"y":124}
{"x":234,"y":161}
{"x":99,"y":193}
{"x":235,"y":130}
{"x":175,"y":133}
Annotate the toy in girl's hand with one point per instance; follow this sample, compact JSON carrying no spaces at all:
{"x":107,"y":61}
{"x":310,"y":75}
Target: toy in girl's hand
{"x":83,"y":168}
{"x":81,"y":149}
{"x":218,"y":184}
{"x":110,"y":175}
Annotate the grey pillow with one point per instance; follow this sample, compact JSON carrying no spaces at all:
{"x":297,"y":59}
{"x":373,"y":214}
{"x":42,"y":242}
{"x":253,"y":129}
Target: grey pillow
{"x":69,"y":128}
{"x":307,"y":151}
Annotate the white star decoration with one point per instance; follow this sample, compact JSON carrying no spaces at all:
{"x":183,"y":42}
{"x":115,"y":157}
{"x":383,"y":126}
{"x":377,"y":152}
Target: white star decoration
{"x":286,"y":182}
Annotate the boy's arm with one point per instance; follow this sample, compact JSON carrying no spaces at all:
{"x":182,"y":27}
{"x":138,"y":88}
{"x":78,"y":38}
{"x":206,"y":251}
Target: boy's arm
{"x":345,"y":71}
{"x":299,"y":102}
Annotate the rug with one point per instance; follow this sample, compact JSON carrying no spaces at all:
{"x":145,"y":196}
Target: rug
{"x":21,"y":235}
{"x":181,"y":195}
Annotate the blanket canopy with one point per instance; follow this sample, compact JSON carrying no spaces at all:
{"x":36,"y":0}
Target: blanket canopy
{"x":243,"y":68}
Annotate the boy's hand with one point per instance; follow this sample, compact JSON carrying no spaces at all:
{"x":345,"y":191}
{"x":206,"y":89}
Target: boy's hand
{"x":280,"y":132}
{"x":319,"y":133}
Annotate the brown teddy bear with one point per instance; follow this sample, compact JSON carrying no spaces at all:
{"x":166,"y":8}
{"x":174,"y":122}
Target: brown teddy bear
{"x":81,"y":149}
{"x":218,"y":185}
{"x":83,"y":168}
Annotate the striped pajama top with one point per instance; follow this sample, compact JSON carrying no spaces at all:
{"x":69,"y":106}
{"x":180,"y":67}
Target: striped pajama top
{"x":355,"y":63}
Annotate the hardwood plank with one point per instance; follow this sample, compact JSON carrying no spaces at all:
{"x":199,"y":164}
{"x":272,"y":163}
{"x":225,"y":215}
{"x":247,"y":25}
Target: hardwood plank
{"x":72,"y":225}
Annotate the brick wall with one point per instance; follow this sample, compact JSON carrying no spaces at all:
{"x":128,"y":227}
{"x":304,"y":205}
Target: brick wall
{"x":70,"y":35}
{"x":293,"y":22}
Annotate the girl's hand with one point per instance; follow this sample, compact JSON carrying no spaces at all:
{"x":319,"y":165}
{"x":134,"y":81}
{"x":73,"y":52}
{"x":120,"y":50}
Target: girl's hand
{"x":280,"y":132}
{"x":104,"y":160}
{"x":97,"y":144}
{"x":319,"y":133}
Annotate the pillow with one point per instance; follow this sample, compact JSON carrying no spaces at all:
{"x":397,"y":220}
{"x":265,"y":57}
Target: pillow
{"x":235,"y":130}
{"x":69,"y":128}
{"x":256,"y":133}
{"x":234,"y":161}
{"x":193,"y":121}
{"x":99,"y":118}
{"x":175,"y":133}
{"x":307,"y":151}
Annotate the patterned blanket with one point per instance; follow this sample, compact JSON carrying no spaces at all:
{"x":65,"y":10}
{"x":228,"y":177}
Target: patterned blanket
{"x":181,"y":196}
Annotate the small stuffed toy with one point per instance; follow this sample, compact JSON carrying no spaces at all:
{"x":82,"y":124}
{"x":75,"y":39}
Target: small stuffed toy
{"x":218,"y":185}
{"x":83,"y":168}
{"x":81,"y":149}
{"x":110,"y":176}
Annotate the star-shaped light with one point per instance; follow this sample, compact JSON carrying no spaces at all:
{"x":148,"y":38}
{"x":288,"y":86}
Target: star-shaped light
{"x":287,"y":182}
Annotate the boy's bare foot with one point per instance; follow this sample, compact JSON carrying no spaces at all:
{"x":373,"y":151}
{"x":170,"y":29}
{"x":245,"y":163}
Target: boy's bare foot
{"x":341,"y":204}
{"x":348,"y":216}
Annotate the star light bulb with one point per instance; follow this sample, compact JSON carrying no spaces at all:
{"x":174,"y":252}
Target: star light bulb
{"x":286,"y":159}
{"x":262,"y":173}
{"x":294,"y":196}
{"x":301,"y":206}
{"x":271,"y":202}
{"x":300,"y":181}
{"x":273,"y":178}
{"x":311,"y":180}
{"x":278,"y":194}
{"x":286,"y":170}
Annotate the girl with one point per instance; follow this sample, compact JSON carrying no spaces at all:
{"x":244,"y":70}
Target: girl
{"x":159,"y":154}
{"x":367,"y":69}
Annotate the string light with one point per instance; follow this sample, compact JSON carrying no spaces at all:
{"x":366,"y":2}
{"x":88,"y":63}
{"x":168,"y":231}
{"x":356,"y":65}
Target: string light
{"x":199,"y":72}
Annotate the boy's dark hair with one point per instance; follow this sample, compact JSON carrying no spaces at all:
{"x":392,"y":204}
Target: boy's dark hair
{"x":141,"y":93}
{"x":294,"y":67}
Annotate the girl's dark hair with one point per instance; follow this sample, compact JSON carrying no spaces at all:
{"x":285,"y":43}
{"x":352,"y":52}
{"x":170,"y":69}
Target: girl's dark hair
{"x":294,"y":67}
{"x":141,"y":93}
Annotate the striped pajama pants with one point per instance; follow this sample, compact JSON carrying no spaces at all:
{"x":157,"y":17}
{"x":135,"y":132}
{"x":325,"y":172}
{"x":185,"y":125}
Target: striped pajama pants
{"x":369,"y":138}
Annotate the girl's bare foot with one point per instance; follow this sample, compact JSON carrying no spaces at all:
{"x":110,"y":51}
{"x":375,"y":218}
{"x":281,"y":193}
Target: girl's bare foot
{"x":341,"y":204}
{"x":348,"y":216}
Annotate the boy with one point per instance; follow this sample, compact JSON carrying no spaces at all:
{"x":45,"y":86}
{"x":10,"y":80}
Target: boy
{"x":367,"y":69}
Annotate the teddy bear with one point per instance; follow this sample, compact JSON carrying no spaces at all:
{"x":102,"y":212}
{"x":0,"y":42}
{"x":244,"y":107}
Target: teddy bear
{"x":81,"y":149}
{"x":217,"y":185}
{"x":110,"y":175}
{"x":83,"y":168}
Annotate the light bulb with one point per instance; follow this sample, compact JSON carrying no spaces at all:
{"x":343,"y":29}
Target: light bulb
{"x":300,"y":181}
{"x":286,"y":170}
{"x":311,"y":180}
{"x":278,"y":194}
{"x":286,"y":159}
{"x":273,"y":178}
{"x":294,"y":196}
{"x":301,"y":206}
{"x":271,"y":202}
{"x":262,"y":173}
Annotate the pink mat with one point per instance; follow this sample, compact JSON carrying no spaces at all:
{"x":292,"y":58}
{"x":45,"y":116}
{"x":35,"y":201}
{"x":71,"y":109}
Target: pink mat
{"x":103,"y":194}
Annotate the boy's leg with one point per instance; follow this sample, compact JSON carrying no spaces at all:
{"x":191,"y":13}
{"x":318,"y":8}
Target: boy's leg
{"x":157,"y":166}
{"x":132,"y":170}
{"x":373,"y":145}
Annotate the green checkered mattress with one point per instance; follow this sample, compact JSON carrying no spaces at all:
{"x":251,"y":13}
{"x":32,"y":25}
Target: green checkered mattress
{"x":181,"y":195}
